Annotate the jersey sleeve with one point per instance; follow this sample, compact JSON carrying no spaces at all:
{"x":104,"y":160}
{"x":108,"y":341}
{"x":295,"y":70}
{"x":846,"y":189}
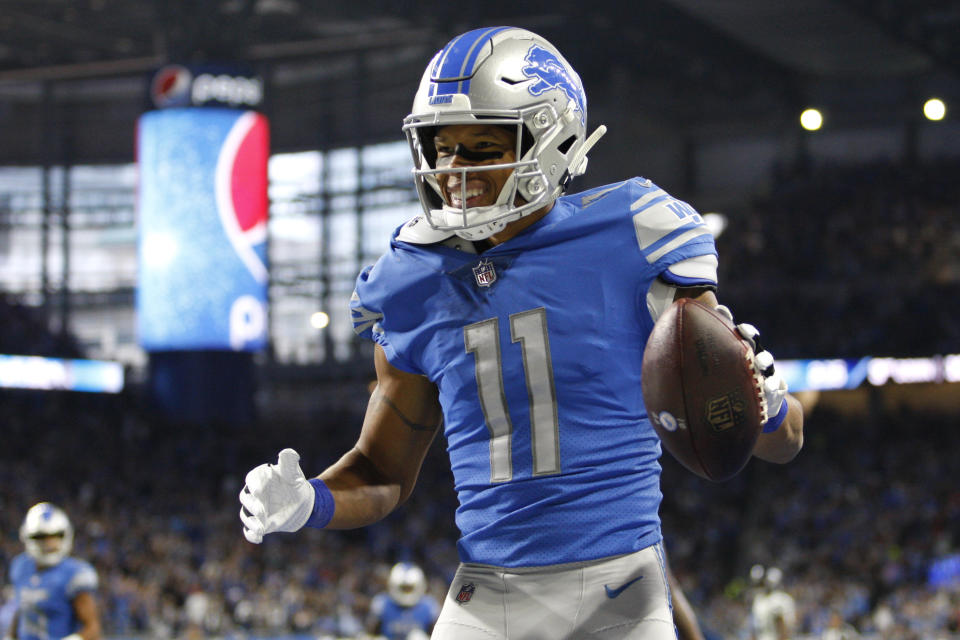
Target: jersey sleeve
{"x":382,"y":312}
{"x":673,"y":238}
{"x":697,"y":271}
{"x":377,"y":605}
{"x":363,"y":310}
{"x":17,"y":568}
{"x":84,"y":578}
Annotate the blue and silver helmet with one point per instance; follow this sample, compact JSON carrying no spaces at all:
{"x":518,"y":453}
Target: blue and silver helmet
{"x":510,"y":77}
{"x":45,"y":520}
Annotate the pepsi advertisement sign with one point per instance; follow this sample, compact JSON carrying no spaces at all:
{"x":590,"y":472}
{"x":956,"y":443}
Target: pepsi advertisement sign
{"x":205,"y":86}
{"x":202,"y":228}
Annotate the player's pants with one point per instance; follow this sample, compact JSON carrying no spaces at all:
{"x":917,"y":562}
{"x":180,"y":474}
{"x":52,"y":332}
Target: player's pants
{"x":616,"y":598}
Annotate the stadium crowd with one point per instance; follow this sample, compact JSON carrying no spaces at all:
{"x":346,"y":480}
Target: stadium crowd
{"x":850,"y":261}
{"x":856,"y":524}
{"x":153,"y":505}
{"x":865,"y":524}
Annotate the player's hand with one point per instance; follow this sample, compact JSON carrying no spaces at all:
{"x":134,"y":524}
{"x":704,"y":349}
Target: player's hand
{"x":276,"y":497}
{"x":773,"y":385}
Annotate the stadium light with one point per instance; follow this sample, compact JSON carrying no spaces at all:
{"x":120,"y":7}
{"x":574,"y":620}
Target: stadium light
{"x":716,"y":222}
{"x":824,"y":375}
{"x":811,"y":119}
{"x":319,"y":320}
{"x":934,"y":109}
{"x":159,"y":249}
{"x":59,"y":374}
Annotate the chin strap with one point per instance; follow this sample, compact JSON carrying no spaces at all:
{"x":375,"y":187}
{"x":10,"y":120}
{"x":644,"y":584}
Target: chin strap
{"x":580,"y":157}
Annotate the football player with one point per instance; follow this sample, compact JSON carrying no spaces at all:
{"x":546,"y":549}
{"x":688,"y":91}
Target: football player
{"x":773,"y":613}
{"x":406,"y":611}
{"x":517,"y":317}
{"x":55,"y":592}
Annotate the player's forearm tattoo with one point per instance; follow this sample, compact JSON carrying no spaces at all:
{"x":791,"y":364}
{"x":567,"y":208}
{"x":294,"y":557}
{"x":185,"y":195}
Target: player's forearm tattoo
{"x":378,"y":397}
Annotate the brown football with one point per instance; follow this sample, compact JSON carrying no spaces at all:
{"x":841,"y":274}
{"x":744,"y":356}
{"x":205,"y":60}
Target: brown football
{"x":700,"y":390}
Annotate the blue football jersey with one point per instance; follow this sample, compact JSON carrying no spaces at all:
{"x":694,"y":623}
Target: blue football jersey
{"x":45,"y":596}
{"x":397,"y":621}
{"x":536,"y":346}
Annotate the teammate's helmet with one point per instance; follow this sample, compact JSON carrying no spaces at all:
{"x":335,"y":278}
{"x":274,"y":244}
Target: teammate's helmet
{"x":773,"y":577}
{"x":510,"y":77}
{"x":42,"y":520}
{"x":406,"y":584}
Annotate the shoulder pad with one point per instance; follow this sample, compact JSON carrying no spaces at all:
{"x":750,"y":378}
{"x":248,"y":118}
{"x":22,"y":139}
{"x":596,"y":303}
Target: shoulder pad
{"x":84,"y":578}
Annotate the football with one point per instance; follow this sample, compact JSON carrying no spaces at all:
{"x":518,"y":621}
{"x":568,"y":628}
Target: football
{"x":700,"y":390}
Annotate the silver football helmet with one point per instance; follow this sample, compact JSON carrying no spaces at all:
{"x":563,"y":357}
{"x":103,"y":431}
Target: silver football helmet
{"x":513,"y":78}
{"x":44,"y":520}
{"x":406,"y":584}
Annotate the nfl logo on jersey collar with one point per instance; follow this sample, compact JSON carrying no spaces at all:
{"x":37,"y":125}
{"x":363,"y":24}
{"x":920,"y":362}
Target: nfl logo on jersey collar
{"x":484,"y":273}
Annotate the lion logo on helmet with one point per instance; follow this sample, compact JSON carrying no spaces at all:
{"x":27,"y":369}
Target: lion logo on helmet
{"x":550,"y":74}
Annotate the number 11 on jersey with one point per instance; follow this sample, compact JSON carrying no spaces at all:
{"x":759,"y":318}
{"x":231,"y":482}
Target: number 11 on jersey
{"x":482,"y":339}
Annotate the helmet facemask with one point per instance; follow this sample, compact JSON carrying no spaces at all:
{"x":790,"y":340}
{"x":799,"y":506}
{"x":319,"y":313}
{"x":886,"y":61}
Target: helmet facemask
{"x":526,"y":190}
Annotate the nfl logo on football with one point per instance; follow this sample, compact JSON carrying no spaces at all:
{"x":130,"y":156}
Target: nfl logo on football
{"x":485,"y":273}
{"x":466,"y":592}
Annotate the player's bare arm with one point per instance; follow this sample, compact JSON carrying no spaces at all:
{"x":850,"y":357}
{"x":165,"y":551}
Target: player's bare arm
{"x":367,"y":483}
{"x":85,"y":608}
{"x":684,"y":616}
{"x":379,"y":473}
{"x":780,"y":446}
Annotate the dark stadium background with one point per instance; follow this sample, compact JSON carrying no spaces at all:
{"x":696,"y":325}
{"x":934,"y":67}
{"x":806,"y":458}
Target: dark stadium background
{"x":839,"y":243}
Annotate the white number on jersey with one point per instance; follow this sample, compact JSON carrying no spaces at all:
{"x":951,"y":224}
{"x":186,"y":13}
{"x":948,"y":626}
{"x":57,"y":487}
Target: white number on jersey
{"x":482,"y":339}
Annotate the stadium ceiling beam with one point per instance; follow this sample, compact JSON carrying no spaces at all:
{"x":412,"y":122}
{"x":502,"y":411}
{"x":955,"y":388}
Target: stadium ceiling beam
{"x":262,"y":53}
{"x":340,"y":44}
{"x":83,"y":70}
{"x":59,"y":30}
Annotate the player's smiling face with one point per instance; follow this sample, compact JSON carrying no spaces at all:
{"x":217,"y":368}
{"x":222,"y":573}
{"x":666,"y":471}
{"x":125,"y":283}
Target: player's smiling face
{"x":484,"y":145}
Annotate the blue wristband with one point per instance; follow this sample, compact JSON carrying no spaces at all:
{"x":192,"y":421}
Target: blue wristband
{"x":774,"y":423}
{"x":322,"y":505}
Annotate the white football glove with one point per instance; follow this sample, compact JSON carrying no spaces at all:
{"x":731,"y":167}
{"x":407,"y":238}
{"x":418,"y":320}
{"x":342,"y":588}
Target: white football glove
{"x":772,"y":384}
{"x":276,"y":497}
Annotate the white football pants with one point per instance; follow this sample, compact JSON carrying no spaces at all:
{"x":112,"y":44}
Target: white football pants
{"x":620,"y":598}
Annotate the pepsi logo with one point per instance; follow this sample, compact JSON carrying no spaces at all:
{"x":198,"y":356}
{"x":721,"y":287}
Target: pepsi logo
{"x":241,"y":190}
{"x":177,"y":86}
{"x":171,"y":87}
{"x":227,"y":89}
{"x":248,"y":322}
